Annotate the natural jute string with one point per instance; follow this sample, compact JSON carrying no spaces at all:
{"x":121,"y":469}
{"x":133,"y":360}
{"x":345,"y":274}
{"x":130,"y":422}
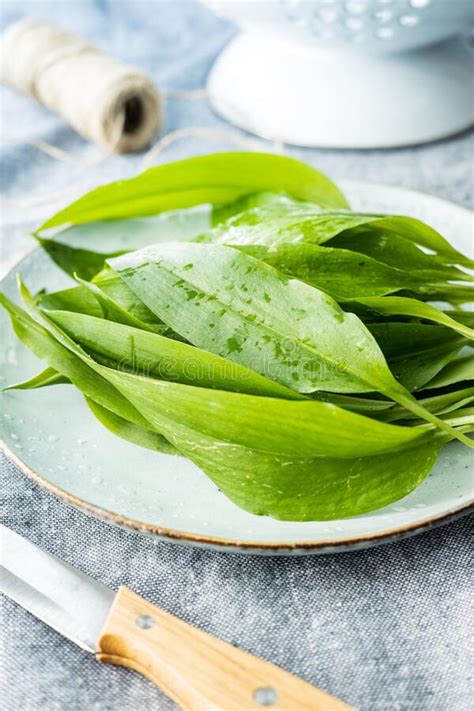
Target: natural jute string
{"x":106,"y":101}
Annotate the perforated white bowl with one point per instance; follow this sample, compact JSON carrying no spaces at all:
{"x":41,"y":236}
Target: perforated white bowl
{"x":346,"y":73}
{"x":370,"y":25}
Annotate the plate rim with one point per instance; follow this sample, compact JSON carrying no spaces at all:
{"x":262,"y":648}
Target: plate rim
{"x":234,"y":545}
{"x":177,"y":536}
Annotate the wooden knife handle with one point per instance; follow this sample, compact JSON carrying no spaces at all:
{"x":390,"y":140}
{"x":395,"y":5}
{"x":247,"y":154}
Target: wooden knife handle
{"x":198,"y":671}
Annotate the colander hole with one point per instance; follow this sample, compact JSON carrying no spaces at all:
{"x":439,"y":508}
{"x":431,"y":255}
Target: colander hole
{"x":409,"y":20}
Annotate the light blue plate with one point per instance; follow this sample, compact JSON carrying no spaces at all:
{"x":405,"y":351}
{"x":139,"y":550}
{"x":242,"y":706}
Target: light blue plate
{"x":52,"y":436}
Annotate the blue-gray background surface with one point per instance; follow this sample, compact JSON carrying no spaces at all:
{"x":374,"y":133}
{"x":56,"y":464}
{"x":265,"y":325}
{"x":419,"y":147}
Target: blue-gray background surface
{"x":386,"y":629}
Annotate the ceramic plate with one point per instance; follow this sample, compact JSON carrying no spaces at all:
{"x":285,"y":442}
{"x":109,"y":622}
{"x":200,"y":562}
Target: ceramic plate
{"x":52,"y":436}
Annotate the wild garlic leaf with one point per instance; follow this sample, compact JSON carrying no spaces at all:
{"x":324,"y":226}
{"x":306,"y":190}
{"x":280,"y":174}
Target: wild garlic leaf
{"x":340,"y":272}
{"x":457,"y":371}
{"x":284,"y":222}
{"x":232,"y":304}
{"x":236,"y":306}
{"x":292,"y":489}
{"x":396,"y":251}
{"x":462,"y":420}
{"x":45,"y":346}
{"x":416,"y":352}
{"x":306,"y":489}
{"x":156,"y":356}
{"x":416,"y":370}
{"x":127,"y":430}
{"x":47,"y":377}
{"x":439,"y":404}
{"x":85,"y":299}
{"x":111,"y":309}
{"x":405,"y":339}
{"x":421,"y":234}
{"x":74,"y":260}
{"x":318,"y":488}
{"x":116,"y":290}
{"x":281,"y":222}
{"x":355,"y":403}
{"x":455,"y":294}
{"x":276,"y":201}
{"x":287,"y":427}
{"x":402,"y":306}
{"x":216,"y":179}
{"x":76,"y":299}
{"x":310,"y":429}
{"x":465,"y":317}
{"x":327,"y":488}
{"x":390,"y":412}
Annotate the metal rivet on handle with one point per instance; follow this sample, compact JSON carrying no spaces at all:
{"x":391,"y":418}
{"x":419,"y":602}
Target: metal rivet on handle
{"x":265,"y":696}
{"x":145,"y":622}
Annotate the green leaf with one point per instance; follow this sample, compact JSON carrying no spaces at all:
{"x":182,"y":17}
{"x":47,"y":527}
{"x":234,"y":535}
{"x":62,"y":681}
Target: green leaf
{"x":416,"y":371}
{"x":130,"y":432}
{"x":269,"y":201}
{"x":364,"y":405}
{"x":454,"y":294}
{"x":395,"y":251}
{"x":77,"y":299}
{"x":439,"y":404}
{"x":156,"y":356}
{"x":48,"y":376}
{"x":298,"y":489}
{"x":461,"y":419}
{"x":74,"y":260}
{"x":357,"y":485}
{"x":390,"y":412}
{"x":216,"y":179}
{"x":315,"y":489}
{"x":116,"y":290}
{"x":457,"y":371}
{"x":310,"y":429}
{"x":111,"y":309}
{"x":401,"y":306}
{"x":46,"y":347}
{"x":295,"y":489}
{"x":340,"y":272}
{"x":294,"y":428}
{"x":403,"y":339}
{"x":418,"y":232}
{"x":283,"y":222}
{"x":118,"y":302}
{"x":416,"y":352}
{"x":287,"y":221}
{"x":232,"y":304}
{"x":465,"y":317}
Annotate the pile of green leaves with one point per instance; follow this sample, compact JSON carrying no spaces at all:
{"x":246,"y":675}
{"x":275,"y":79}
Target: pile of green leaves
{"x":291,"y":352}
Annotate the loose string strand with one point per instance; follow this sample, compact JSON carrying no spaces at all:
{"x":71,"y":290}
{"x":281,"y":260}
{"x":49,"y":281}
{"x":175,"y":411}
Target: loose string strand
{"x":65,"y":157}
{"x":149,"y":158}
{"x":198,"y":132}
{"x":187,"y":94}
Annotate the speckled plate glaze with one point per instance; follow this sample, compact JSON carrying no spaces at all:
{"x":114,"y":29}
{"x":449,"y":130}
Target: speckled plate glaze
{"x":53,"y":438}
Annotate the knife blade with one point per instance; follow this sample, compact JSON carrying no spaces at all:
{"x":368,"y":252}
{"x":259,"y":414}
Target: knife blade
{"x":197,"y":670}
{"x":69,"y":601}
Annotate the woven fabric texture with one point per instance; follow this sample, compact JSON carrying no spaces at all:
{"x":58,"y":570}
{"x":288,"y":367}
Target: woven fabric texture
{"x":385,"y":629}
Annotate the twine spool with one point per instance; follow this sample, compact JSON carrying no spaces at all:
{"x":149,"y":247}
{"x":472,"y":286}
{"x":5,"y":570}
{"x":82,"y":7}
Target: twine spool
{"x":104,"y":100}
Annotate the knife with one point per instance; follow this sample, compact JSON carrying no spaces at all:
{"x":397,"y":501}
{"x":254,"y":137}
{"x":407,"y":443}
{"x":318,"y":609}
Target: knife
{"x":198,"y":671}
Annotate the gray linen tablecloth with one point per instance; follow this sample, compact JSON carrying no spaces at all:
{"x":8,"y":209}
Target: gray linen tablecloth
{"x":384,"y":629}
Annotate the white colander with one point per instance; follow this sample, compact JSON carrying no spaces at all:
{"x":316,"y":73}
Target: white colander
{"x":346,"y":73}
